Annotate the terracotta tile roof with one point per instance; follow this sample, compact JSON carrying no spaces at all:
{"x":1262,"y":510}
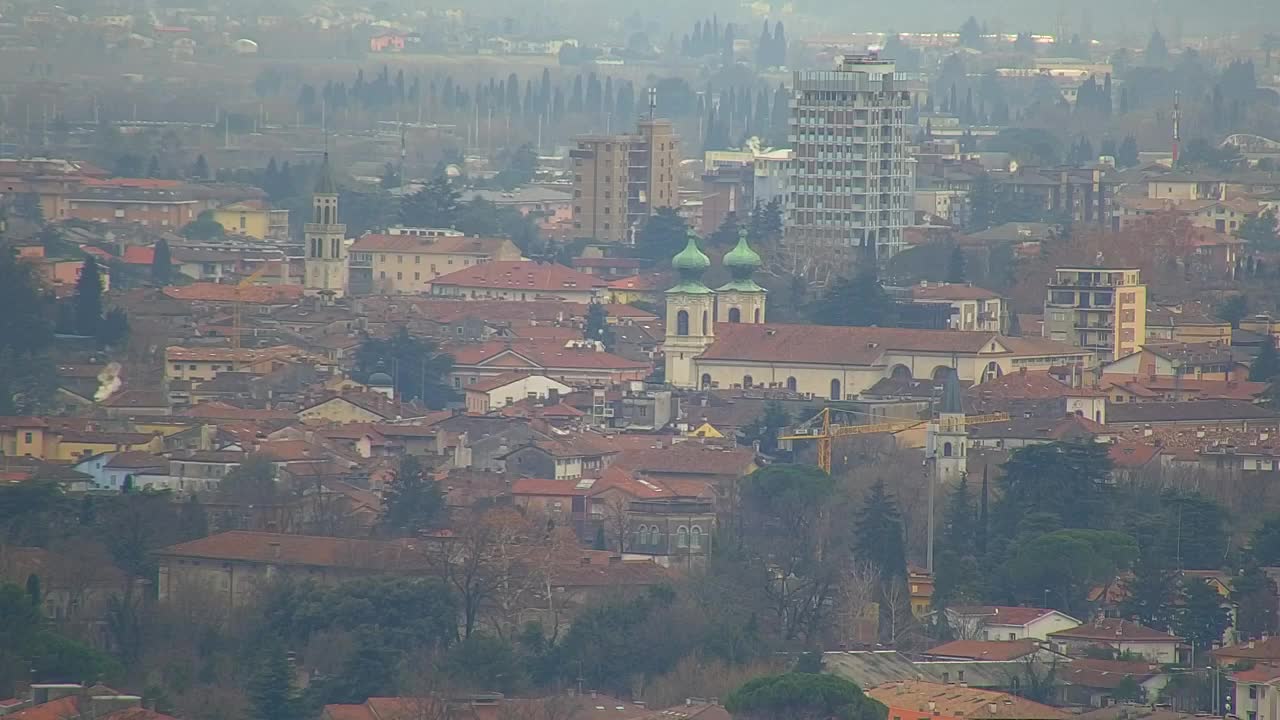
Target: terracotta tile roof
{"x":225,"y":293}
{"x":1002,"y":614}
{"x":544,"y":486}
{"x":823,"y":344}
{"x":1266,"y":649}
{"x":625,"y":573}
{"x":1131,"y":455}
{"x":137,"y":398}
{"x":413,"y":244}
{"x":527,"y":275}
{"x":286,"y":549}
{"x":1115,"y":630}
{"x":498,"y":381}
{"x":1030,"y":385}
{"x":615,"y":478}
{"x":1263,"y":673}
{"x":955,"y":701}
{"x":1203,"y":389}
{"x":641,"y":283}
{"x":60,"y":709}
{"x":985,"y":649}
{"x":216,"y":410}
{"x":547,"y":332}
{"x":688,"y":458}
{"x":1107,"y":674}
{"x":585,"y":444}
{"x":543,"y":354}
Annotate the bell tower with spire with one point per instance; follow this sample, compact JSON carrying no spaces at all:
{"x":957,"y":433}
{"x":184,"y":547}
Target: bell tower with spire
{"x":950,"y":436}
{"x":691,"y":309}
{"x":326,"y":260}
{"x":741,"y":300}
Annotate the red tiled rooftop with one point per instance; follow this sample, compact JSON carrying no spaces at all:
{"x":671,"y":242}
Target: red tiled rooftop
{"x":521,"y":275}
{"x":985,"y":649}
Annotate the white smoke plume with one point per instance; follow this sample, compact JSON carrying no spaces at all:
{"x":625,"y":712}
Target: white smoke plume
{"x":109,"y":382}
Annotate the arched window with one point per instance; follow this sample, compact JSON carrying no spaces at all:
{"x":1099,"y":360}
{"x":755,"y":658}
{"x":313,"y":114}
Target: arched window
{"x":992,"y":371}
{"x":695,"y":537}
{"x":706,"y":381}
{"x":900,"y":372}
{"x":835,"y":390}
{"x":682,"y":537}
{"x":682,"y":323}
{"x":655,"y":535}
{"x":791,"y":384}
{"x":705,"y":327}
{"x":757,"y":320}
{"x":746,"y":381}
{"x":642,"y":535}
{"x":946,"y":449}
{"x":735,"y":315}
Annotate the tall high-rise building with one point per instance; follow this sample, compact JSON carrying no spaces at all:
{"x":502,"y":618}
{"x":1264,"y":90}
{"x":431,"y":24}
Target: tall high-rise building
{"x":619,"y":180}
{"x":851,"y":179}
{"x":1103,"y":309}
{"x":326,"y":261}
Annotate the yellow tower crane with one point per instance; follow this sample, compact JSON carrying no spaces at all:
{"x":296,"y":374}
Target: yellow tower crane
{"x":835,"y":423}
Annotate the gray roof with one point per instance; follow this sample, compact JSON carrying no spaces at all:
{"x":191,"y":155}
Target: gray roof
{"x":871,"y":668}
{"x":1191,"y":411}
{"x":521,"y":195}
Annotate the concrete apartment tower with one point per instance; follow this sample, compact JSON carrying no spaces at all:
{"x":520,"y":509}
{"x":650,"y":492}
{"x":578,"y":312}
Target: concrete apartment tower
{"x":852,"y":182}
{"x":1103,"y":309}
{"x":326,"y":260}
{"x":619,"y":180}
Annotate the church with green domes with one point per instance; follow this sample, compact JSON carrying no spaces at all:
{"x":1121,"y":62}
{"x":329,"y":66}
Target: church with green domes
{"x":693,"y":309}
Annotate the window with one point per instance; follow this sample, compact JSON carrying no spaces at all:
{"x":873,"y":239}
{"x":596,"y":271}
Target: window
{"x":682,"y":323}
{"x":695,"y":537}
{"x":791,"y":384}
{"x":27,"y":438}
{"x":682,"y":537}
{"x":706,"y":380}
{"x":655,"y":534}
{"x":757,"y":316}
{"x":177,"y":366}
{"x":1013,"y":636}
{"x":705,"y":329}
{"x":417,"y":259}
{"x":399,"y":276}
{"x":735,"y":315}
{"x":747,"y":381}
{"x":946,"y":450}
{"x":1253,"y":692}
{"x":835,"y":390}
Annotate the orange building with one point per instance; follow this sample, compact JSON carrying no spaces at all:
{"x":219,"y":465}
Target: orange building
{"x":155,"y":203}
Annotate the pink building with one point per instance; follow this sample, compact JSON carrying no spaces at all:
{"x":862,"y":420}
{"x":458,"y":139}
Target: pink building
{"x":386,"y":42}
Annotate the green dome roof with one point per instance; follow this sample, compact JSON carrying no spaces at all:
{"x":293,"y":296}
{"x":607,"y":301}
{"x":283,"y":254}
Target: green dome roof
{"x":742,"y":260}
{"x":690,"y":263}
{"x":691,"y":259}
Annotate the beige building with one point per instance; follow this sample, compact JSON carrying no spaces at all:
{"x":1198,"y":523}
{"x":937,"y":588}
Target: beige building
{"x":1098,"y":308}
{"x":618,"y":180}
{"x":225,"y":571}
{"x":326,"y":258}
{"x":407,"y":264}
{"x":973,"y":308}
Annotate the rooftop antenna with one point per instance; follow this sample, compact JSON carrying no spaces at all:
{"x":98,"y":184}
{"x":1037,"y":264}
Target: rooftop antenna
{"x":1177,"y":124}
{"x":653,"y":101}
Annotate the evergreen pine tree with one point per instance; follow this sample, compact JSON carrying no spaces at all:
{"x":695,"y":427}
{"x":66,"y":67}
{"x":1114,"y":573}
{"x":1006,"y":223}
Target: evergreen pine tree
{"x":200,"y":170}
{"x":1266,"y":365}
{"x":955,"y":265}
{"x":271,"y":690}
{"x":88,"y":298}
{"x":161,"y":264}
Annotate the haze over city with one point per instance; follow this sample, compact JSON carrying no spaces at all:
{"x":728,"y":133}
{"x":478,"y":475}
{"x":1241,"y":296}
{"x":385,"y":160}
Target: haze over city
{"x":558,"y":360}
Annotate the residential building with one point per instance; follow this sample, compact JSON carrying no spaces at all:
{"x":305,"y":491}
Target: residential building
{"x":1194,"y":413}
{"x":407,"y":263}
{"x":523,"y":280}
{"x":504,"y":390}
{"x":1188,"y":361}
{"x":1095,"y":683}
{"x":851,"y":184}
{"x":1103,"y":309}
{"x":619,"y":180}
{"x":676,"y":532}
{"x":949,"y":701}
{"x":972,"y":308}
{"x":998,"y":650}
{"x":569,"y":458}
{"x":572,"y":362}
{"x":1257,"y":692}
{"x":229,"y":568}
{"x":1122,"y":636}
{"x":326,"y":259}
{"x":254,"y":218}
{"x":997,"y":622}
{"x":145,"y":201}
